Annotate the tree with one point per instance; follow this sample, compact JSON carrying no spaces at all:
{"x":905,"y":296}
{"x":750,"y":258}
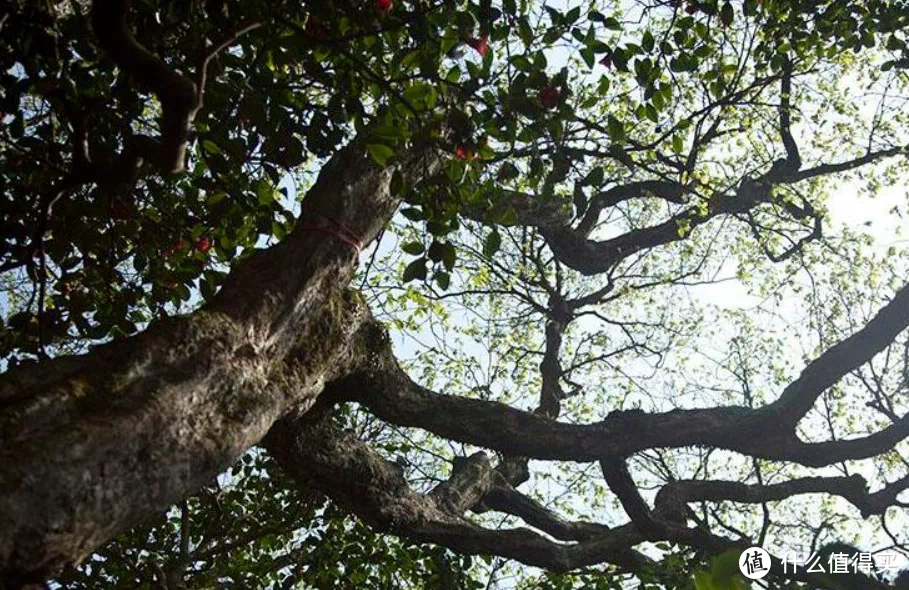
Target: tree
{"x":188,"y":189}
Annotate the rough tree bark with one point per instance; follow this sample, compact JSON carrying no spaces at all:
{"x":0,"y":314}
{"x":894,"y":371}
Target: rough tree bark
{"x":91,"y":445}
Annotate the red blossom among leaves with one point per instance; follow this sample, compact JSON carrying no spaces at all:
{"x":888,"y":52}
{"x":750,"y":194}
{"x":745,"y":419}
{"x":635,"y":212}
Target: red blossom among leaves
{"x":463,"y":153}
{"x":383,"y":6}
{"x":203,"y":245}
{"x":480,"y":44}
{"x":549,"y":97}
{"x":176,"y":248}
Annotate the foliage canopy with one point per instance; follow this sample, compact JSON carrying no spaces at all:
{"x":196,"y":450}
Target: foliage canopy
{"x":633,"y":334}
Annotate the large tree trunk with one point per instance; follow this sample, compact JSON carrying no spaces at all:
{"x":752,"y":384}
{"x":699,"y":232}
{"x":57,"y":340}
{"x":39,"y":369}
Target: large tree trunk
{"x":91,"y":445}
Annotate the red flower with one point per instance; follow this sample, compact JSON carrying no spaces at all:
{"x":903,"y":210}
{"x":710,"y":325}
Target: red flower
{"x":383,"y":6}
{"x":481,"y":45}
{"x":463,"y":153}
{"x":176,"y":248}
{"x":549,"y":97}
{"x":203,"y":245}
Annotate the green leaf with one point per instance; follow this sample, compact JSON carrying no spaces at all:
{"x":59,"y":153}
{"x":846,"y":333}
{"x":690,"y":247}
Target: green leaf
{"x":615,"y":128}
{"x":573,"y":15}
{"x":611,"y":23}
{"x":416,"y":270}
{"x":380,"y":153}
{"x":727,"y":14}
{"x":725,"y":566}
{"x":435,"y":251}
{"x":525,"y":32}
{"x":411,"y":60}
{"x":414,"y":248}
{"x":265,"y":192}
{"x":443,"y":252}
{"x":454,"y":74}
{"x":421,"y":95}
{"x":206,"y":288}
{"x":450,"y":257}
{"x":211,"y":147}
{"x":413,"y":214}
{"x":279,"y":229}
{"x":652,"y":113}
{"x":492,"y":244}
{"x":703,"y":581}
{"x":443,"y":279}
{"x":588,"y":56}
{"x":894,"y":43}
{"x":658,"y":101}
{"x":595,"y":177}
{"x":449,"y":40}
{"x":391,"y":132}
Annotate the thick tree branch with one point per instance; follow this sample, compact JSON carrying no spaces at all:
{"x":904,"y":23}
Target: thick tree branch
{"x":167,"y":410}
{"x":551,"y":392}
{"x":590,"y":257}
{"x":837,"y":361}
{"x":356,"y":477}
{"x":529,"y":210}
{"x":853,"y":488}
{"x":673,"y":192}
{"x":793,"y":160}
{"x":767,"y":432}
{"x":573,"y":248}
{"x":618,"y":478}
{"x":835,"y":168}
{"x":504,"y":498}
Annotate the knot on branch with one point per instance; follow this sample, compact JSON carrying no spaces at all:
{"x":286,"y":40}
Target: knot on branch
{"x":670,"y":504}
{"x":471,"y":479}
